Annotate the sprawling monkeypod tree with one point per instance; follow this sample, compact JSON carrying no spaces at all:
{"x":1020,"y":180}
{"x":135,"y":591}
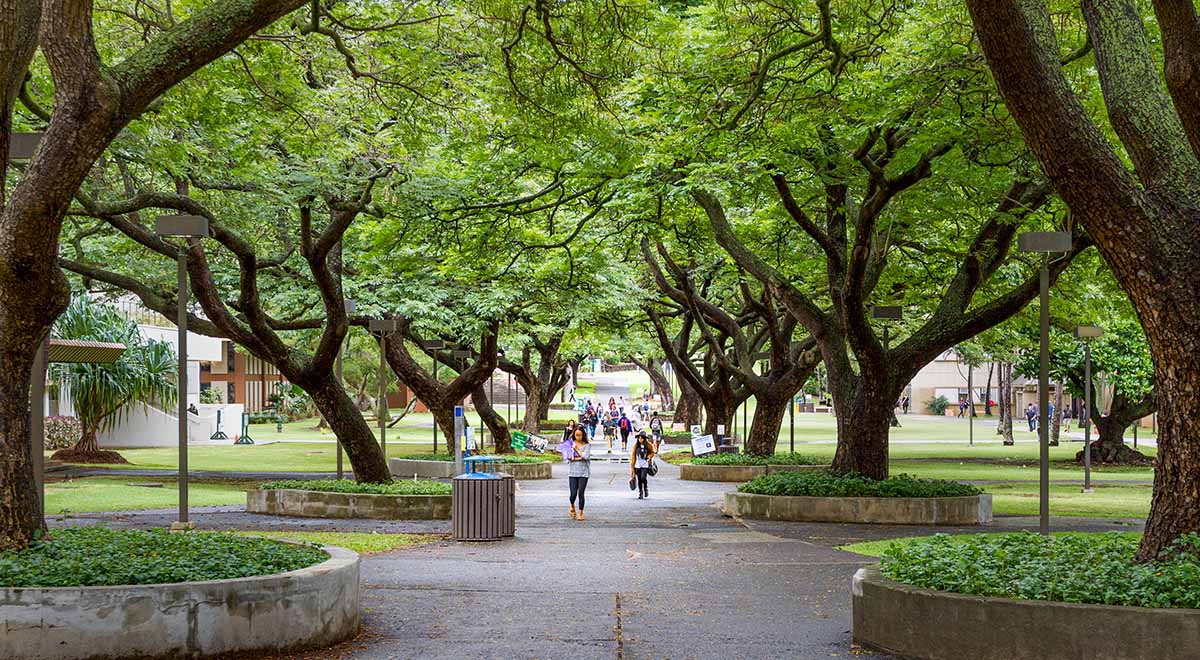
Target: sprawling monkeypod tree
{"x":93,"y":101}
{"x":758,"y":329}
{"x":1145,"y":221}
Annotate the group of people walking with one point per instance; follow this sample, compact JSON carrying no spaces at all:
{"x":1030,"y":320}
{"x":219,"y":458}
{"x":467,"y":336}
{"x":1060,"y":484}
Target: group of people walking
{"x":612,"y":421}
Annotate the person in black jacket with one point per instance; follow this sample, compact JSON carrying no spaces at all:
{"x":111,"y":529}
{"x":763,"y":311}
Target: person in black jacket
{"x":639,"y":463}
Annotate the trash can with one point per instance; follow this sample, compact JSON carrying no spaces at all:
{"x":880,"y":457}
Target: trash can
{"x":483,"y":503}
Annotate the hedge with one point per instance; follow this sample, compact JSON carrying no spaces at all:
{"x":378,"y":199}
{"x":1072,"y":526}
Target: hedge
{"x":827,"y":484}
{"x":751,"y":459}
{"x":404,"y":487}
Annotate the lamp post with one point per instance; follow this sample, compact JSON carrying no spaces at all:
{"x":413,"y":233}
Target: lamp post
{"x":22,"y":145}
{"x":431,"y":346}
{"x":186,"y":226}
{"x":384,"y":328}
{"x":887,"y":313}
{"x":1044,"y":243}
{"x":348,"y":305}
{"x":1087,"y":333}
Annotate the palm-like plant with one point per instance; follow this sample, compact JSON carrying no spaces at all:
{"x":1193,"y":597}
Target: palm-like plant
{"x":100,"y":393}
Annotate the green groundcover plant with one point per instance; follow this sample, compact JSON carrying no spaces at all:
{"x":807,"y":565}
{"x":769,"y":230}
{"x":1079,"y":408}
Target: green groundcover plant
{"x":419,"y":487}
{"x":97,"y":556}
{"x":820,"y":483}
{"x":1069,"y":568}
{"x":751,"y":459}
{"x":509,"y":459}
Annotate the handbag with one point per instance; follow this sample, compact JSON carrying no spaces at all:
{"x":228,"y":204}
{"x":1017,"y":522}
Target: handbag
{"x":653,"y":468}
{"x":632,"y":483}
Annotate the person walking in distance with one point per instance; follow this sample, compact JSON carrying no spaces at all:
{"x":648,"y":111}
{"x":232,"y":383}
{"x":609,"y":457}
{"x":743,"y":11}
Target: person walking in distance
{"x":625,"y":427}
{"x":656,"y":428}
{"x":639,"y":467}
{"x":579,"y":468}
{"x":1031,"y":417}
{"x":905,"y":403}
{"x":569,"y":432}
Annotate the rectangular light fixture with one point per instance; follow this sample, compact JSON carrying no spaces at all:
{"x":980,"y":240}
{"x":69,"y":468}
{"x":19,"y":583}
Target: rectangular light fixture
{"x":22,"y":145}
{"x":887,"y":312}
{"x":462,"y":355}
{"x":1044,"y":241}
{"x":181,"y":225}
{"x":348,"y":305}
{"x":1088,"y":332}
{"x":383,"y":325}
{"x":433,"y":345}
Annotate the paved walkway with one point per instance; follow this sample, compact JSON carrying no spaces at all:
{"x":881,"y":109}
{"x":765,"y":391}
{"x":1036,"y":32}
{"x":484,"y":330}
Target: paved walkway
{"x":667,"y":577}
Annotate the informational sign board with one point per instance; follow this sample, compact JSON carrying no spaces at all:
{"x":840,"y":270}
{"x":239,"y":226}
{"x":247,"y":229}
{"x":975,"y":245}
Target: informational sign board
{"x":470,"y":433}
{"x":696,"y":430}
{"x":720,"y":429}
{"x":702,"y":445}
{"x":581,"y":404}
{"x":536,"y":443}
{"x":519,"y":438}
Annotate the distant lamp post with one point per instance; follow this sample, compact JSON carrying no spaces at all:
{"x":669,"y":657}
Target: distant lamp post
{"x":1044,"y":243}
{"x":186,"y":226}
{"x":430,"y":346}
{"x":22,"y":145}
{"x":384,"y":328}
{"x":349,"y":306}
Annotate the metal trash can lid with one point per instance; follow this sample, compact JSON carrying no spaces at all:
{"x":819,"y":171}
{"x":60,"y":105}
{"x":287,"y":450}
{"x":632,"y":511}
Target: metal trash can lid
{"x":478,"y":475}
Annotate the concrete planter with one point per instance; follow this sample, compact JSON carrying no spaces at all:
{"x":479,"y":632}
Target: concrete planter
{"x":738,"y":473}
{"x":973,"y":510}
{"x":318,"y":504}
{"x":403,"y":468}
{"x":935,"y":625}
{"x":312,"y":607}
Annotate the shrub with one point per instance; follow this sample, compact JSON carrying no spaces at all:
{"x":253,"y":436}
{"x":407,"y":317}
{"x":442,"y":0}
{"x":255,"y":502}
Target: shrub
{"x":210,"y":396}
{"x":62,"y":432}
{"x":1069,"y":568}
{"x":421,"y":487}
{"x":827,"y":484}
{"x":938,"y":405}
{"x":751,"y":459}
{"x":97,"y":556}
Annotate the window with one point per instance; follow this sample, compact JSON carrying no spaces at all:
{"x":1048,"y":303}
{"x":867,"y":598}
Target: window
{"x":232,"y":390}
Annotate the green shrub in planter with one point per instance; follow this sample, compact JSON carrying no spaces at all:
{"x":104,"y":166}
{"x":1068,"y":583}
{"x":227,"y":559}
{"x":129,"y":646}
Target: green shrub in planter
{"x":1069,"y":568}
{"x":500,"y":458}
{"x":62,"y":432}
{"x":751,"y":459}
{"x":827,"y":484}
{"x":405,"y":487}
{"x":97,"y":556}
{"x":938,"y":405}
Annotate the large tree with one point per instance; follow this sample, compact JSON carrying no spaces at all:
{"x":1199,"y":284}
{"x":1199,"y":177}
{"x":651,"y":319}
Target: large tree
{"x":93,"y":101}
{"x":1145,"y":219}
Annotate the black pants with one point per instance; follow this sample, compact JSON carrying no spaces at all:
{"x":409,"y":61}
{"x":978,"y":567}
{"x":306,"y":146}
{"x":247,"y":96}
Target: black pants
{"x":624,"y":438}
{"x":643,"y":485}
{"x":578,"y":488}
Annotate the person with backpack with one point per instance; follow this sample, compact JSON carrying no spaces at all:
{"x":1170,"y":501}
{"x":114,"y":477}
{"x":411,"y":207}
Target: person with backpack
{"x":639,"y":466}
{"x":626,"y":427}
{"x":656,"y":428}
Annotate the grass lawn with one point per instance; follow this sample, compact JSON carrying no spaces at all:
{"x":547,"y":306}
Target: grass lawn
{"x":278,"y":457}
{"x":1125,"y":501}
{"x":876,"y":548}
{"x":99,"y":494}
{"x":364,"y":543}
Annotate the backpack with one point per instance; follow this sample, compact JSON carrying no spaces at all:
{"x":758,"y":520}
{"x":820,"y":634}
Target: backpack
{"x":625,"y":426}
{"x":656,"y":424}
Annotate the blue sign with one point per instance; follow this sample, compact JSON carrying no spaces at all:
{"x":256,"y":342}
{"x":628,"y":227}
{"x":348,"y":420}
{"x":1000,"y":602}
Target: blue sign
{"x":458,"y":411}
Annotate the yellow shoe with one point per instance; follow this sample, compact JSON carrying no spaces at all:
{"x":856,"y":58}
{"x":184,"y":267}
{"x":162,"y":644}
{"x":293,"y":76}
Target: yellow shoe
{"x":579,"y":516}
{"x":572,"y":512}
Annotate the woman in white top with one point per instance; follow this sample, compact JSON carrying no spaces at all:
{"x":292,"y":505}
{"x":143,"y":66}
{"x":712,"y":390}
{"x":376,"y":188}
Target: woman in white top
{"x":578,"y":470}
{"x":639,"y":467}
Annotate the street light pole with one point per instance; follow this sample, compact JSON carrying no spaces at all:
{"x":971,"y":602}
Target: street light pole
{"x":1044,"y":243}
{"x":385,"y":328}
{"x":1087,"y":333}
{"x":970,"y":406}
{"x":186,"y":226}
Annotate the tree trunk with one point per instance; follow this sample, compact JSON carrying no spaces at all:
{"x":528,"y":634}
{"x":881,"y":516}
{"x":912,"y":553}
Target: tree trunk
{"x":687,"y":407}
{"x":1004,"y":428}
{"x":863,"y":424}
{"x":492,"y":420}
{"x":719,"y":411}
{"x":537,"y":407}
{"x":20,"y":507}
{"x":443,"y":416}
{"x":87,"y":450}
{"x":659,"y":384}
{"x":987,"y":390}
{"x":1110,"y":447}
{"x":764,"y":427}
{"x":362,"y":448}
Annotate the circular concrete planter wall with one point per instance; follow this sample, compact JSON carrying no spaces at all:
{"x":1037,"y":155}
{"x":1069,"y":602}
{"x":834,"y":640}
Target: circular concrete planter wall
{"x":318,"y":504}
{"x":311,"y":607}
{"x":935,"y":625}
{"x":973,"y":510}
{"x":737,"y":473}
{"x":406,"y":468}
